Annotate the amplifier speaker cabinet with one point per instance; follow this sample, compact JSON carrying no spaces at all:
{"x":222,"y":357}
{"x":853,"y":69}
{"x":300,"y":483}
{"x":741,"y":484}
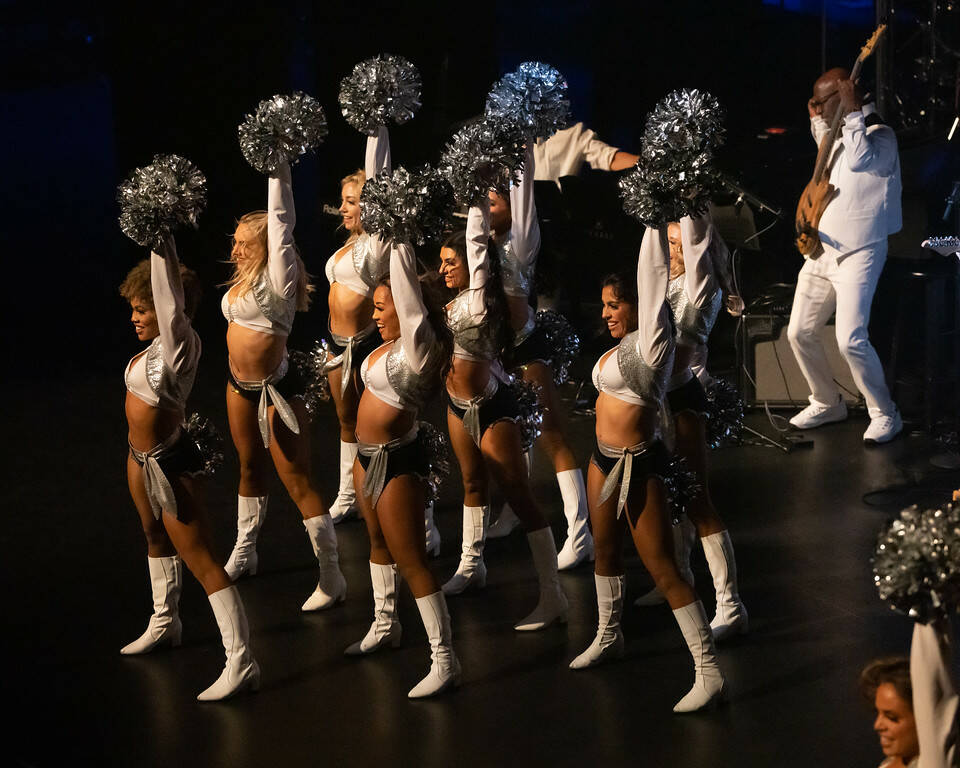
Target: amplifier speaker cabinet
{"x":764,"y":352}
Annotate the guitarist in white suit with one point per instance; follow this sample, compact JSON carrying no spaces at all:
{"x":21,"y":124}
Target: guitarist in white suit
{"x":841,"y":274}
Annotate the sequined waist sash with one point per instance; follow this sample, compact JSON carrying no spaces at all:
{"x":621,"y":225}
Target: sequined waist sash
{"x":622,"y":471}
{"x":270,"y":396}
{"x":155,"y":482}
{"x":345,"y":358}
{"x":379,"y":454}
{"x":471,"y":408}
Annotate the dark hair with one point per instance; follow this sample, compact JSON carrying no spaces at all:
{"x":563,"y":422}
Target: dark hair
{"x":494,"y":299}
{"x":137,"y":285}
{"x":894,"y":670}
{"x":624,"y":286}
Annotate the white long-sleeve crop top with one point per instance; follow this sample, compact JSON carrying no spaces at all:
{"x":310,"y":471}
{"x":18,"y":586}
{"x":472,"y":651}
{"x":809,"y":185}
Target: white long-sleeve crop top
{"x":695,"y":296}
{"x":520,"y":246}
{"x":162,"y":375}
{"x":404,"y":376}
{"x":271,"y":303}
{"x":361,"y":266}
{"x":608,"y":379}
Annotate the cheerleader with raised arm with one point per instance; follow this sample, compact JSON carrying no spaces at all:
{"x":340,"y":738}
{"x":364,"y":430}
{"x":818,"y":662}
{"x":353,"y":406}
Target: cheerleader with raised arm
{"x":268,"y":418}
{"x":164,"y":467}
{"x":625,"y":483}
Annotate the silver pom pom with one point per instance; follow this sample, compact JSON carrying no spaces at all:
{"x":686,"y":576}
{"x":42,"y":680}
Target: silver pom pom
{"x":682,"y":486}
{"x":407,"y":206}
{"x":312,"y":368}
{"x":281,"y":129}
{"x":482,"y":156}
{"x":157,"y":198}
{"x":675,"y":176}
{"x":916,"y":565}
{"x":535,"y":96}
{"x":208,"y":441}
{"x":724,"y":415}
{"x":531,"y":411}
{"x":379,"y":90}
{"x":436,"y":450}
{"x":562,"y":340}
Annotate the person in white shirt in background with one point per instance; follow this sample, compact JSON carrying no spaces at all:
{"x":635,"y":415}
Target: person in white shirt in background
{"x":842,"y":274}
{"x":564,"y":153}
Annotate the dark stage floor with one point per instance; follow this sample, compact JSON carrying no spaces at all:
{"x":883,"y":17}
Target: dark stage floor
{"x":76,"y":590}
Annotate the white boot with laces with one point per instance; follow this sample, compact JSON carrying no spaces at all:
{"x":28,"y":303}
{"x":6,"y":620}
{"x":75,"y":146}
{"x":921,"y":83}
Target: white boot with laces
{"x":817,"y":414}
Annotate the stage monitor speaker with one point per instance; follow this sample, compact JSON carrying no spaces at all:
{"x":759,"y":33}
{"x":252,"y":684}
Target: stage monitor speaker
{"x":765,"y":354}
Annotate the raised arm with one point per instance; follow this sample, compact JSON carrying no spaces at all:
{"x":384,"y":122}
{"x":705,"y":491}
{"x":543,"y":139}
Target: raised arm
{"x":599,"y":155}
{"x":478,"y":239}
{"x":181,"y":345}
{"x":377,"y":159}
{"x":282,"y":263}
{"x":655,"y":335}
{"x":525,"y":227}
{"x":934,"y":694}
{"x":696,"y":236}
{"x":416,"y":333}
{"x":874,"y":152}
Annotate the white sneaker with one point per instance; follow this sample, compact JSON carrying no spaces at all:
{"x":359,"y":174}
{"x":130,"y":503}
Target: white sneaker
{"x":817,"y":414}
{"x":883,"y":427}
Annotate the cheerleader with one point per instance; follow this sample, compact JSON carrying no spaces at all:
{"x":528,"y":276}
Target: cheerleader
{"x":698,"y":260}
{"x":394,"y":463}
{"x":268,"y":419}
{"x":516,"y":231}
{"x":483,"y":417}
{"x":164,"y":465}
{"x":353,"y":272}
{"x":625,"y":478}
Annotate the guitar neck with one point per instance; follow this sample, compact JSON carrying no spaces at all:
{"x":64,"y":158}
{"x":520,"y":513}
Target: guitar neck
{"x":828,"y":141}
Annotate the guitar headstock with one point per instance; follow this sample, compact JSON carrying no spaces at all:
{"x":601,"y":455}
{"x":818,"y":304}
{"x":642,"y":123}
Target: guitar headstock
{"x":867,"y":49}
{"x":945,"y":246}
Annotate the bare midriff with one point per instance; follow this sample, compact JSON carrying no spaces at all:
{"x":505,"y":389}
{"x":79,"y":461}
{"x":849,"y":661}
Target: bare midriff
{"x":468,"y":378}
{"x":621,"y":424}
{"x":147,"y":425}
{"x":379,"y":422}
{"x":350,"y":312}
{"x":253,"y":355}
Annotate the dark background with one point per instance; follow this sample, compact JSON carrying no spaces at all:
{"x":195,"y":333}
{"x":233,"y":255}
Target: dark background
{"x":92,"y":90}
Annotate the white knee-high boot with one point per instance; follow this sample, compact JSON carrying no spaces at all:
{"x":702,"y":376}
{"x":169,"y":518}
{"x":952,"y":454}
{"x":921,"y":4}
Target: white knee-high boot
{"x":507,"y":520}
{"x":166,"y":578}
{"x":579,"y":544}
{"x":241,"y":671}
{"x":345,"y":505}
{"x":472,"y":571}
{"x":431,"y":531}
{"x":331,"y":586}
{"x":731,"y":617}
{"x":444,"y":667}
{"x":553,"y":602}
{"x":608,"y":644}
{"x":684,"y":534}
{"x":251,"y":511}
{"x":385,"y":629}
{"x":708,"y":684}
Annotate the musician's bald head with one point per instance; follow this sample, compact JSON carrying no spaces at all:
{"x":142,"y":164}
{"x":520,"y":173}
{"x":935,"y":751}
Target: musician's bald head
{"x":826,"y":97}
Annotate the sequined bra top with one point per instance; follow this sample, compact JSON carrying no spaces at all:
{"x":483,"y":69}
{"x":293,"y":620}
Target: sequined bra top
{"x":473,"y":337}
{"x":692,"y":324}
{"x":362,"y":269}
{"x":608,"y":379}
{"x":149,"y":378}
{"x":393,"y":380}
{"x":647,"y":382}
{"x":261,"y":309}
{"x":517,"y":275}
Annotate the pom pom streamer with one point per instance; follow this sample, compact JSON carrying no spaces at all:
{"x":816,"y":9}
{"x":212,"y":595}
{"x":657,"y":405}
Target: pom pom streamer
{"x":281,"y":129}
{"x":562,"y":339}
{"x":436,"y":449}
{"x":724,"y":415}
{"x":484,"y":155}
{"x":682,"y":486}
{"x":312,"y":368}
{"x":208,"y":441}
{"x":531,"y":412}
{"x":916,"y":565}
{"x":378,"y":90}
{"x":535,"y":96}
{"x":409,"y":207}
{"x":675,"y":176}
{"x":159,"y":197}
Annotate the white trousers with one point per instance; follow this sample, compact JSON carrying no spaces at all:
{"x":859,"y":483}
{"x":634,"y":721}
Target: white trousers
{"x":844,"y":284}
